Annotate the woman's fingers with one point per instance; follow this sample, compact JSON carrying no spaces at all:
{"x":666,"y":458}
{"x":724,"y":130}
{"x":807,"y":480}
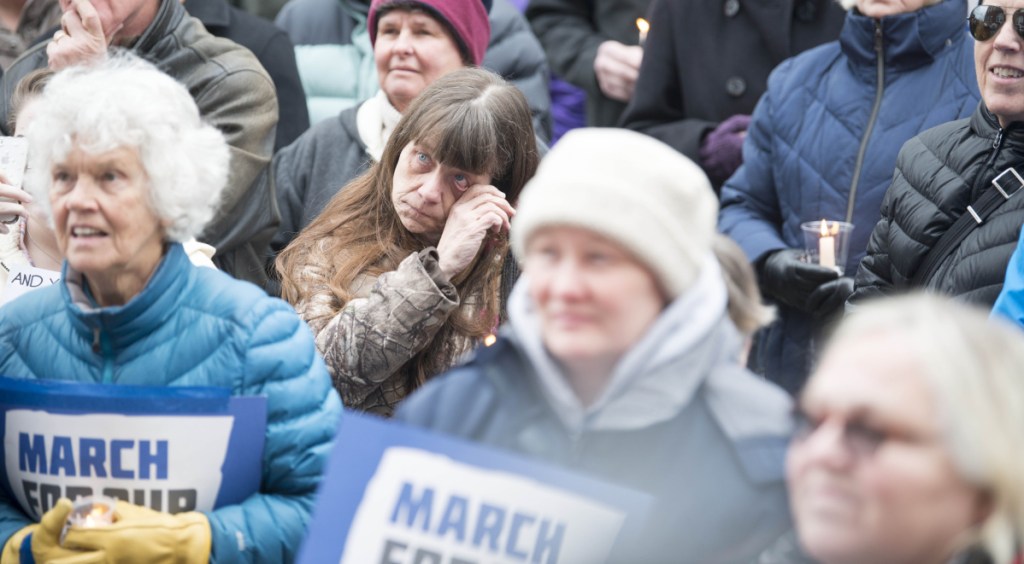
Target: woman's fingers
{"x":13,"y":192}
{"x":483,"y":194}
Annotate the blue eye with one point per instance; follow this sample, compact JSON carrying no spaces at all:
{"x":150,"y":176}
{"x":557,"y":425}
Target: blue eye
{"x":422,"y":158}
{"x":461,"y":181}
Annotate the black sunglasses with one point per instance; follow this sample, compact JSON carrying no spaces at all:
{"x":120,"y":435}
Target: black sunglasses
{"x":986,"y":20}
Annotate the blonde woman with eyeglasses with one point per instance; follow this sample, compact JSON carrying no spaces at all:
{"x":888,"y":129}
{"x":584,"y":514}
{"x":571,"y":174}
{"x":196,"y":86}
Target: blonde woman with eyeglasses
{"x":908,"y":445}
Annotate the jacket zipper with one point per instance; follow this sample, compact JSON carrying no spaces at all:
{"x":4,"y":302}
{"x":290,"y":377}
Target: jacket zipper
{"x":997,"y":145}
{"x":101,"y":346}
{"x":879,"y":90}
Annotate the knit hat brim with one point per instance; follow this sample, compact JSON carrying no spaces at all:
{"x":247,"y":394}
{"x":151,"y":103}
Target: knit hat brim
{"x":631,"y":189}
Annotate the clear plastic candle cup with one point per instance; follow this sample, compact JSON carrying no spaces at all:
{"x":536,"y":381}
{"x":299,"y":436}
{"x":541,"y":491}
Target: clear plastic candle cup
{"x":827,"y":242}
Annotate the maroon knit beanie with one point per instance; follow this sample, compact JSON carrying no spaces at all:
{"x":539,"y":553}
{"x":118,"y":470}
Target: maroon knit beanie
{"x":467,"y":18}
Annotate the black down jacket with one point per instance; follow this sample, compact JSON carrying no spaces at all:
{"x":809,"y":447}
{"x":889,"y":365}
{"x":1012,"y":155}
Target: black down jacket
{"x":938,"y":174}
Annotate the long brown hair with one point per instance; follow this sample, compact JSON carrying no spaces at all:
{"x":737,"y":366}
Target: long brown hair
{"x":472,"y":120}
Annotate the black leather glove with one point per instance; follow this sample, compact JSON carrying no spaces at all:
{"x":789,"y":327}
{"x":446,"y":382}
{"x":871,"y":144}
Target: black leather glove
{"x":830,"y":297}
{"x":791,"y":281}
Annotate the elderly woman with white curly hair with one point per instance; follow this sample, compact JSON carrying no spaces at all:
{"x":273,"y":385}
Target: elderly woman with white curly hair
{"x":122,"y":162}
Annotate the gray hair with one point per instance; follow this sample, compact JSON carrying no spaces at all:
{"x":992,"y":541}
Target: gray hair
{"x":125,"y":101}
{"x":973,"y":365}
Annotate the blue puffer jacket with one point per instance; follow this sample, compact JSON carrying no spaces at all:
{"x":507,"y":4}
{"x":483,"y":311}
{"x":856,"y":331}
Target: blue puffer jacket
{"x":824,"y":140}
{"x":195,"y":327}
{"x":1010,"y":303}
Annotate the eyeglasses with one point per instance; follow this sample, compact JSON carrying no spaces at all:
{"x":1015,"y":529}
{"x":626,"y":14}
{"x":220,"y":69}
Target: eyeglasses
{"x":985,"y":22}
{"x":858,"y":439}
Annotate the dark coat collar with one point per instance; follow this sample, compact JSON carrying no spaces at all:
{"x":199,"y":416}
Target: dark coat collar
{"x":909,"y":40}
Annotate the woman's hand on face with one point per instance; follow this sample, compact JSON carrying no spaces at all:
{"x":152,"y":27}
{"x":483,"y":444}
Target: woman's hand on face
{"x":80,"y":38}
{"x":12,"y":204}
{"x":482,"y":209}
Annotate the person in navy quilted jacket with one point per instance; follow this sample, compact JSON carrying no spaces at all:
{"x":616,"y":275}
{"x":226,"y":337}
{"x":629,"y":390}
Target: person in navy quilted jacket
{"x":122,"y":162}
{"x":823,"y":145}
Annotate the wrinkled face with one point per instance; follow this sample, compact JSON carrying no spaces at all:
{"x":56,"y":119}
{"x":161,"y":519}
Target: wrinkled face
{"x":882,"y":8}
{"x":412,"y":51}
{"x":595,"y":300}
{"x":999,"y":65}
{"x":104,"y":226}
{"x":425,"y":190}
{"x":869,"y":476}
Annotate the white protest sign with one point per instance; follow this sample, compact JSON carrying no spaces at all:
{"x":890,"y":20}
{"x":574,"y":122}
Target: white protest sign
{"x":167,"y":463}
{"x":23,"y":279}
{"x":424,"y":507}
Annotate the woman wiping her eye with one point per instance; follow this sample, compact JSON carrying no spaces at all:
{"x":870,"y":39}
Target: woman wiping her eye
{"x":399,"y":276}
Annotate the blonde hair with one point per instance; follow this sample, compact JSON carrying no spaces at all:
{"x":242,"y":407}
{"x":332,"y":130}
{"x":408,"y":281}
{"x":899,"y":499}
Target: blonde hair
{"x":746,"y":308}
{"x":973,"y":365}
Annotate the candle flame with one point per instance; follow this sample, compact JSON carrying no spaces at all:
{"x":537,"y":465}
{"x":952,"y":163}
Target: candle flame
{"x":490,"y":340}
{"x":829,"y":230}
{"x":642,"y":25}
{"x":96,"y":517}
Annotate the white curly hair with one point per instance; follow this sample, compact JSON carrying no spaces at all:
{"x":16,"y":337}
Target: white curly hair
{"x":125,"y":101}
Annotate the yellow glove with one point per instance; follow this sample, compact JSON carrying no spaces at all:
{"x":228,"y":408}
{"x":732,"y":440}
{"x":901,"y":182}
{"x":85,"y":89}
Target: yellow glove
{"x":139,"y":534}
{"x":45,"y":541}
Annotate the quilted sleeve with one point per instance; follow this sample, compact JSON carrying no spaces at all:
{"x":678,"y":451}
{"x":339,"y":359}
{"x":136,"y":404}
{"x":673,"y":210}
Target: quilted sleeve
{"x":303,"y":412}
{"x":874,"y":275}
{"x":750,"y":212}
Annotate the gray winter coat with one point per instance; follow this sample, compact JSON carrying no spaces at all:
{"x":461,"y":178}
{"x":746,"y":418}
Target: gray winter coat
{"x":310,"y":171}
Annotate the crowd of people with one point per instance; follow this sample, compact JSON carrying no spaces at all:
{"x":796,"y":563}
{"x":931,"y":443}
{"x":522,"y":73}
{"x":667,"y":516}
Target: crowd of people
{"x":363,"y":208}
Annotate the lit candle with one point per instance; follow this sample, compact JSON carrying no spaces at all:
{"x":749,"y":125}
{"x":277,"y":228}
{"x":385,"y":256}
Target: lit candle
{"x":644,"y":27}
{"x":827,"y":245}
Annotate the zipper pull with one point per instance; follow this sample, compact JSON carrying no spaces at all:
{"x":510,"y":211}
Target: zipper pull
{"x":996,"y":145}
{"x":878,"y":36}
{"x":96,"y":340}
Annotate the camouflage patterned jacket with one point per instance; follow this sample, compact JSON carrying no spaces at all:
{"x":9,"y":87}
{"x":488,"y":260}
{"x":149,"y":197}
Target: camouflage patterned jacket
{"x":367,"y":341}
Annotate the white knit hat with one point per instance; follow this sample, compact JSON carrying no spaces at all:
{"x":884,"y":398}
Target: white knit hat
{"x":630,"y":188}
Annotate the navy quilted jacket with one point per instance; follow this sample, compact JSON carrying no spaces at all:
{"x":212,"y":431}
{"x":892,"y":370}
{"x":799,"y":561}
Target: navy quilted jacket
{"x":196,"y":327}
{"x":824,"y":140}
